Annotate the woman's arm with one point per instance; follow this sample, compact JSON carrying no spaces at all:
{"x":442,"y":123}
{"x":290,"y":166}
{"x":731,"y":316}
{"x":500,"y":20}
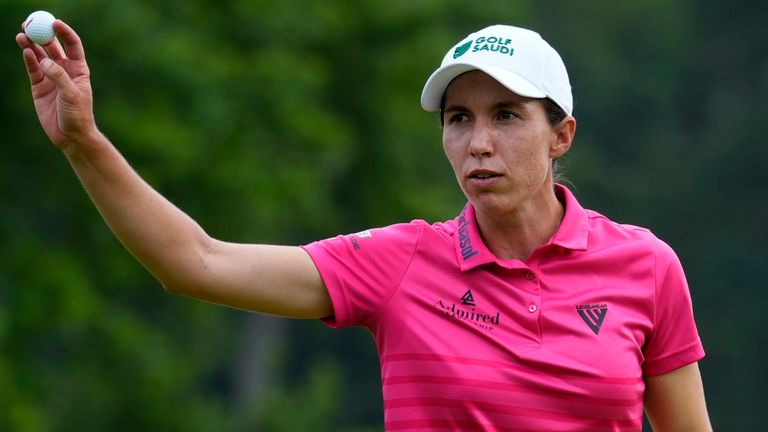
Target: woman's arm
{"x":278,"y":280}
{"x":674,"y":401}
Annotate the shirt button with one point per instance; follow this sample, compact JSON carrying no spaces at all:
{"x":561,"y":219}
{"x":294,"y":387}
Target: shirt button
{"x":532,"y":308}
{"x":529,"y":275}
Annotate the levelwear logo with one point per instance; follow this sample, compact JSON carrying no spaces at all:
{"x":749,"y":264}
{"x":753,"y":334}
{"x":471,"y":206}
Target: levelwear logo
{"x":482,"y":320}
{"x":491,"y":44}
{"x":593,"y":315}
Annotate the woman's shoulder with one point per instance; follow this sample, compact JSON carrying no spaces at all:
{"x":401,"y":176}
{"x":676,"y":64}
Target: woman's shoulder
{"x":606,"y":231}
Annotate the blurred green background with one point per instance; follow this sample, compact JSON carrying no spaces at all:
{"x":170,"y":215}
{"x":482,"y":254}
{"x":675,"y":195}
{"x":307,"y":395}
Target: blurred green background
{"x":290,"y":121}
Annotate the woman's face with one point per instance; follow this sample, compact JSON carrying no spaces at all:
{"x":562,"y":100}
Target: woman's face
{"x":500,"y":144}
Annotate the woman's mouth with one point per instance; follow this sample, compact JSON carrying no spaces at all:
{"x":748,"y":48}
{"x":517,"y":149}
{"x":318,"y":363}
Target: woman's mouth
{"x":483,"y":177}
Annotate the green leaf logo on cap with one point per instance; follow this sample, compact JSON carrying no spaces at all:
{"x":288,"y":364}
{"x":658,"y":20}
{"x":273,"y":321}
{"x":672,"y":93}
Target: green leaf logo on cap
{"x":460,"y":50}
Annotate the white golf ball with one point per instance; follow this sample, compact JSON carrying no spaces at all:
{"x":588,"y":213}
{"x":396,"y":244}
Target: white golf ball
{"x":39,"y":27}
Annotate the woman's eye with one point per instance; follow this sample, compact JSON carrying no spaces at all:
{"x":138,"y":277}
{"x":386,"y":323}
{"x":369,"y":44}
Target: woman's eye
{"x":458,"y":118}
{"x":507,"y":115}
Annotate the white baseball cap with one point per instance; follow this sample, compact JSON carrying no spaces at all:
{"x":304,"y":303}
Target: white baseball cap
{"x":517,"y":58}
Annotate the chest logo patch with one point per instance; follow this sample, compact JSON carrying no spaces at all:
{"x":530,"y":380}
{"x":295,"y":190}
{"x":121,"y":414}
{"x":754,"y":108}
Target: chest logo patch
{"x":467,"y":311}
{"x":468,"y":299}
{"x":593,"y":315}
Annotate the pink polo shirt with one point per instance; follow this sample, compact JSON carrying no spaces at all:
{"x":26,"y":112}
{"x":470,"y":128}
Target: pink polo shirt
{"x":467,"y":341}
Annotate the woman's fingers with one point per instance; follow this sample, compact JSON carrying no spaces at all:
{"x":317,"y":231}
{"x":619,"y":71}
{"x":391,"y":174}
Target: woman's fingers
{"x":55,"y":50}
{"x":71,"y":41}
{"x":39,"y":52}
{"x":66,"y":46}
{"x":32,"y":65}
{"x":23,"y":41}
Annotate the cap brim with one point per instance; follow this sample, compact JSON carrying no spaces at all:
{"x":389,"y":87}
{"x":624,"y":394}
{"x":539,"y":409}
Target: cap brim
{"x":438,"y":82}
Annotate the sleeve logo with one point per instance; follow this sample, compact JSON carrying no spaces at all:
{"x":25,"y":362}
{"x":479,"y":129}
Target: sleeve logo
{"x":362,"y":234}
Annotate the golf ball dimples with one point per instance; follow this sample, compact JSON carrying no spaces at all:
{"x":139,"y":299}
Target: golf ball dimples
{"x":39,"y":27}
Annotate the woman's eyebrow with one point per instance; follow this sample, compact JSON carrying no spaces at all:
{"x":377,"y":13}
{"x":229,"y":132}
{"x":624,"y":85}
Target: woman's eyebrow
{"x":510,"y":104}
{"x":455,"y":108}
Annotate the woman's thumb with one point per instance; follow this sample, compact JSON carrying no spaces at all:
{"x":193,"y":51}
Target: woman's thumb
{"x":58,"y":76}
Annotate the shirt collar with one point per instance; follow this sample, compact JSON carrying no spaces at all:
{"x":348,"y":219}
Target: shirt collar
{"x":472,"y":252}
{"x":574,"y":228}
{"x":470,"y":248}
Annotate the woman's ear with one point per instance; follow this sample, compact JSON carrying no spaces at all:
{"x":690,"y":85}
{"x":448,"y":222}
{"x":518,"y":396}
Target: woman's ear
{"x":564,"y":133}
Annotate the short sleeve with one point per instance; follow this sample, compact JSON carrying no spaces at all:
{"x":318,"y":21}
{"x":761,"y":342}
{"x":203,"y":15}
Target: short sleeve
{"x":362,"y":271}
{"x":675,"y":341}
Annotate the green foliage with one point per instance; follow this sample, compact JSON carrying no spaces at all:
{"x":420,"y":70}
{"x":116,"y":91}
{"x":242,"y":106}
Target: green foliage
{"x":311,"y":406}
{"x":285,"y":122}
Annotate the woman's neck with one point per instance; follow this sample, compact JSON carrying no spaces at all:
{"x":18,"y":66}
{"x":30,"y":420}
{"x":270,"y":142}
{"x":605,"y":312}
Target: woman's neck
{"x":518,"y":233}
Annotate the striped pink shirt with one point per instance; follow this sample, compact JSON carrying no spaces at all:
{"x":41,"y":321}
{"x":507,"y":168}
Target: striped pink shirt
{"x":467,"y":341}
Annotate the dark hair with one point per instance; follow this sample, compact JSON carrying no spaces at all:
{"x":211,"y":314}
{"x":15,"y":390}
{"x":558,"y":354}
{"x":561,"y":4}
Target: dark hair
{"x":555,"y":115}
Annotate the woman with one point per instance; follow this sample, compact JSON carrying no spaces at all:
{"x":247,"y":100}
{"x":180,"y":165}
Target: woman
{"x":526,"y":312}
